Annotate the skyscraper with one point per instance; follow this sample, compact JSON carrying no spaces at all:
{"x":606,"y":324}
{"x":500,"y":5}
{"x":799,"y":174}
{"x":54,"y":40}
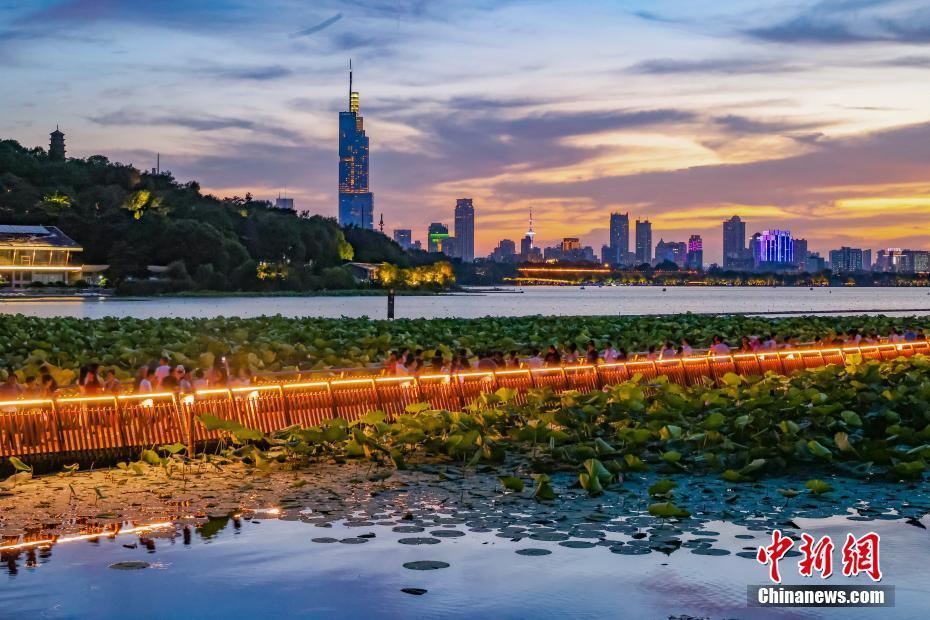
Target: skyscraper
{"x":619,"y":237}
{"x":846,"y":259}
{"x":800,"y":253}
{"x":56,"y":145}
{"x":695,"y":258}
{"x":775,"y":249}
{"x":356,"y":203}
{"x":734,"y":241}
{"x":465,"y":228}
{"x":643,"y":241}
{"x":403,"y":237}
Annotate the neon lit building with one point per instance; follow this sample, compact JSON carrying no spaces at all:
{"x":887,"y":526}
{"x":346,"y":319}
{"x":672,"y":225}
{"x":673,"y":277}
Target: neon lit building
{"x":774,"y":248}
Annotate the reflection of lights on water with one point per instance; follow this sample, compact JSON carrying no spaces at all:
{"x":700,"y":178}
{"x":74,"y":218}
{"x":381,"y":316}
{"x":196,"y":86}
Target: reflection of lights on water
{"x":76,"y":537}
{"x":267,"y":511}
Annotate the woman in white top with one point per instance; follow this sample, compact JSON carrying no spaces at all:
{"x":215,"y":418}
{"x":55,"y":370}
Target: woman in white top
{"x":143,"y":385}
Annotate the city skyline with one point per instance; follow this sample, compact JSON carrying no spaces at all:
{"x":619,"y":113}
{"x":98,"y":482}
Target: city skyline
{"x":806,"y":116}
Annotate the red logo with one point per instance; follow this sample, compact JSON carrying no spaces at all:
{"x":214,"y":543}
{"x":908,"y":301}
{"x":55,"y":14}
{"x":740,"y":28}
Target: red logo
{"x":860,"y":555}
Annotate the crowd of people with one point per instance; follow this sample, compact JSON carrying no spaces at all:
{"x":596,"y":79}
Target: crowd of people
{"x":164,"y":377}
{"x":412,"y":362}
{"x":94,"y":380}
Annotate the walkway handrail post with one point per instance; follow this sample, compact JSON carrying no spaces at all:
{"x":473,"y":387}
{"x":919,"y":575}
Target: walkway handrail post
{"x":332,"y":399}
{"x":119,"y":418}
{"x":285,"y":407}
{"x":374,"y":387}
{"x":529,"y":371}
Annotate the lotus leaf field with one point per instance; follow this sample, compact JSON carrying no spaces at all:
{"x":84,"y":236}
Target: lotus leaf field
{"x":279,"y":343}
{"x":865,"y":419}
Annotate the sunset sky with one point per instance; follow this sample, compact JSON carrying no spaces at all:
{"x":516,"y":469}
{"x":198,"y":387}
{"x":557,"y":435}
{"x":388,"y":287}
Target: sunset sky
{"x":810,"y":116}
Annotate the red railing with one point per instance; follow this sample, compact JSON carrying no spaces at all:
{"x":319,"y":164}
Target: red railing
{"x":102,"y":427}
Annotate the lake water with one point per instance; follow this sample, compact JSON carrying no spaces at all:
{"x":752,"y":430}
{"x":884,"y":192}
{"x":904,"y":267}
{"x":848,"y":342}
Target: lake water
{"x":345,"y":556}
{"x":544,"y":300}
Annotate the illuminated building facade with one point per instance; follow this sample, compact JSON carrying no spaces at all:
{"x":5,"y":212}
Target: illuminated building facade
{"x":465,"y":228}
{"x":695,"y":258}
{"x":356,"y":203}
{"x":436,"y":235}
{"x":774,"y":249}
{"x":37,"y":254}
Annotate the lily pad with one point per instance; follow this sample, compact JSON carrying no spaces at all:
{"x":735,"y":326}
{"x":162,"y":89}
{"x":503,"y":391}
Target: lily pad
{"x":426,"y":565}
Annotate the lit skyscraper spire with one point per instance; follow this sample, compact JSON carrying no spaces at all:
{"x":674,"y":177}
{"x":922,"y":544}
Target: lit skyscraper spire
{"x":356,"y":203}
{"x":531,"y":233}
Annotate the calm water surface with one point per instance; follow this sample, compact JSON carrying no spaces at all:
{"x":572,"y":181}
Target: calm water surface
{"x":630,"y":566}
{"x":525,"y":301}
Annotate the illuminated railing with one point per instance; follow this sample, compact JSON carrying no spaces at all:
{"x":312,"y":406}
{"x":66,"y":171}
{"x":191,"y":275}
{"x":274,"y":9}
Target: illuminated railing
{"x":101,"y":427}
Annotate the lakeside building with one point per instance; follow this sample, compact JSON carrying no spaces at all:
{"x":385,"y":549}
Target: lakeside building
{"x":356,"y":202}
{"x":643,"y":241}
{"x":465,"y":229}
{"x":773,"y":250}
{"x":38,"y":254}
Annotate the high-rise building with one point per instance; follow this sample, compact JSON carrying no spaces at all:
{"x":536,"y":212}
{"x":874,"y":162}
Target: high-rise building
{"x":505,"y":252}
{"x":356,"y":203}
{"x":619,"y":238}
{"x":436,"y":234}
{"x":775,"y":249}
{"x":465,"y":228}
{"x":846,"y":260}
{"x":734,"y":242}
{"x":800,"y":253}
{"x":403,"y":237}
{"x":695,"y":258}
{"x":56,"y":145}
{"x":643,"y":241}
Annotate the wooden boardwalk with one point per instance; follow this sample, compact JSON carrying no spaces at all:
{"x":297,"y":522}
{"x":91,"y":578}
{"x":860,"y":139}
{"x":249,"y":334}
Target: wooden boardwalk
{"x":103,"y":428}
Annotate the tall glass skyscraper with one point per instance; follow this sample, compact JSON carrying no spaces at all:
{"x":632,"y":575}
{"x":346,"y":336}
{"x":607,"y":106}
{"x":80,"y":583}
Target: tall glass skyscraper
{"x":356,"y":203}
{"x":619,"y":237}
{"x":465,"y":228}
{"x":734,"y":241}
{"x":643,"y":242}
